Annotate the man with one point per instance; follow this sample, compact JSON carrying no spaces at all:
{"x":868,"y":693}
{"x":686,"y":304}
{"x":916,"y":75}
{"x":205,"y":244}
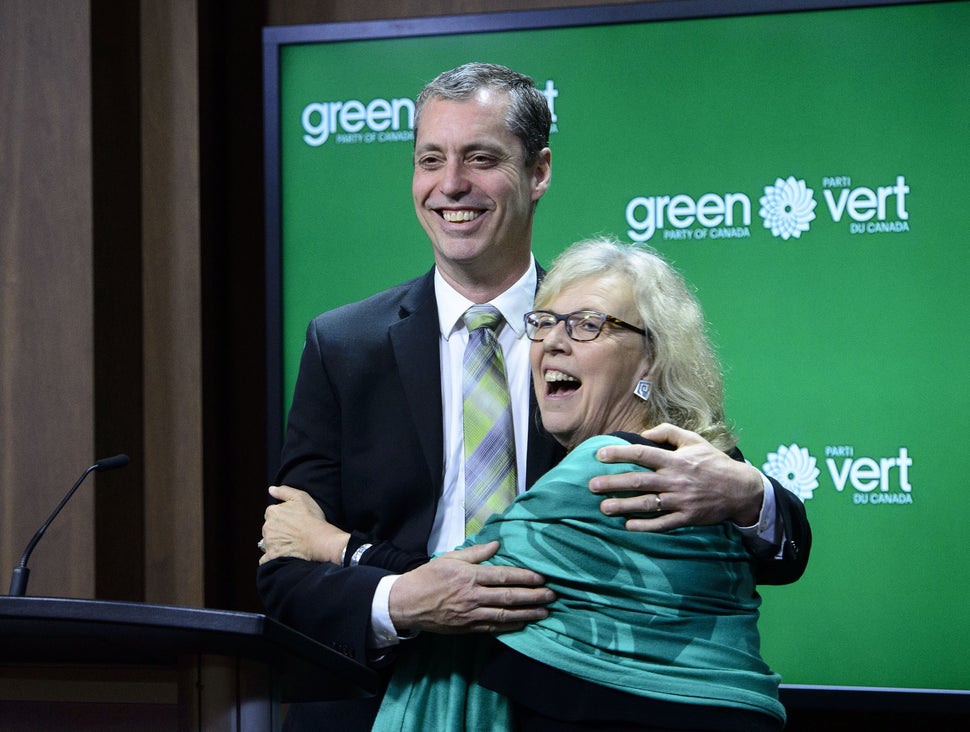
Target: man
{"x":374,"y":432}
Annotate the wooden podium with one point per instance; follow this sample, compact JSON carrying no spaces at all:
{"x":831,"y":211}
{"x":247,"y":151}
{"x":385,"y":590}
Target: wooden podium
{"x":94,"y":665}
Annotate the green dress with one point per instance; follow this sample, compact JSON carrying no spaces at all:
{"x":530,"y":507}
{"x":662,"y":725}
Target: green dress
{"x":669,"y":616}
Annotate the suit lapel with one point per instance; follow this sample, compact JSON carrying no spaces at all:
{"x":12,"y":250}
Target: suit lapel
{"x":415,"y":342}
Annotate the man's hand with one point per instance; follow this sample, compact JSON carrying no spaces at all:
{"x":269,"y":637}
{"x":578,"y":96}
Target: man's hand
{"x":694,"y":485}
{"x":455,"y":593}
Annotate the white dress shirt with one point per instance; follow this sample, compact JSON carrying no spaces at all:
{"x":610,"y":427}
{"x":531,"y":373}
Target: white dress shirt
{"x":449,"y":525}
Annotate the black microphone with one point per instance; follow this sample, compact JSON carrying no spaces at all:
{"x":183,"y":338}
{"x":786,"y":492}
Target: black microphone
{"x":18,"y":582}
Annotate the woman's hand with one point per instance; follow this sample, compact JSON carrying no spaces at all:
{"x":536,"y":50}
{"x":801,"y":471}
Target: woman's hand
{"x":297,"y":528}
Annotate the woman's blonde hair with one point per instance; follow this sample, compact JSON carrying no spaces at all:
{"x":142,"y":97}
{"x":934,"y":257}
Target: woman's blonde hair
{"x":686,"y":384}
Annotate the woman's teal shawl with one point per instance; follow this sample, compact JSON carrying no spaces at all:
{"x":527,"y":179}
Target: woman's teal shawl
{"x":671,"y":616}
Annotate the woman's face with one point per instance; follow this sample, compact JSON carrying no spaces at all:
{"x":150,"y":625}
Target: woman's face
{"x":585,"y":388}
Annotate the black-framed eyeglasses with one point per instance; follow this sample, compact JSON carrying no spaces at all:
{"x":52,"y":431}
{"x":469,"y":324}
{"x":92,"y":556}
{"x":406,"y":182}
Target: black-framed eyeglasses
{"x":581,"y":325}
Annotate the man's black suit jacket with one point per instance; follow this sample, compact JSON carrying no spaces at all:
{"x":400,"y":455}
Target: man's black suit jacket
{"x":365,"y":439}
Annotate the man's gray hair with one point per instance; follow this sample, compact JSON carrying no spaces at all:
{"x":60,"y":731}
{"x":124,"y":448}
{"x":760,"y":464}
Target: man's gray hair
{"x":528,"y":116}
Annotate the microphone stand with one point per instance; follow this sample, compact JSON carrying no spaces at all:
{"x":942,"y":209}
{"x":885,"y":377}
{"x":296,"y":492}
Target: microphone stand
{"x":18,"y":581}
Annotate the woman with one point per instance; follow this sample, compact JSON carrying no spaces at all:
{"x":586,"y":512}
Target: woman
{"x":649,"y":631}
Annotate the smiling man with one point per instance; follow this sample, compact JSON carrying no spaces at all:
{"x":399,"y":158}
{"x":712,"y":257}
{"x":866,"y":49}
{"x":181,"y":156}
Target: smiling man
{"x":375,"y":431}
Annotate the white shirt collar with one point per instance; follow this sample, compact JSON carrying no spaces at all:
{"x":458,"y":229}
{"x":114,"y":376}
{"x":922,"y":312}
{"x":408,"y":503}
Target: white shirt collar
{"x":514,"y":303}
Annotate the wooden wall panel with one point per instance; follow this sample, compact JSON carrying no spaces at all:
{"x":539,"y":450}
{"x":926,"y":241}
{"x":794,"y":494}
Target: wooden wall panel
{"x":46,"y":301}
{"x":100,"y":297}
{"x":172,"y":299}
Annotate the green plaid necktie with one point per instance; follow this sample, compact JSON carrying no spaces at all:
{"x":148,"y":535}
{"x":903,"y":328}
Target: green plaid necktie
{"x":487,"y":420}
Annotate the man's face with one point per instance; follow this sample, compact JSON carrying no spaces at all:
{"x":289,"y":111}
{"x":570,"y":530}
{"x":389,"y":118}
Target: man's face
{"x":473,"y":193}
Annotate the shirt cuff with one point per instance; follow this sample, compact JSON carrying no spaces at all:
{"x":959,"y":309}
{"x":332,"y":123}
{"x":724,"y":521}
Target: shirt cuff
{"x":765,"y":528}
{"x":383,"y":633}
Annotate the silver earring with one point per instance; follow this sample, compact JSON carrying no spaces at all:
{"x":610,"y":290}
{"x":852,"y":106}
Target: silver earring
{"x":642,"y":389}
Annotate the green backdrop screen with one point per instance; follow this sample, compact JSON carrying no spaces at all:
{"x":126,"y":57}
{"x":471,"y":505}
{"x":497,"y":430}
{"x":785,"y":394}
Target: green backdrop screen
{"x":807,"y":171}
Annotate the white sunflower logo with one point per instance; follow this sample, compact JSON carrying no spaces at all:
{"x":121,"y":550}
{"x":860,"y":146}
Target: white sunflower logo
{"x":787,"y":208}
{"x":794,"y":468}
